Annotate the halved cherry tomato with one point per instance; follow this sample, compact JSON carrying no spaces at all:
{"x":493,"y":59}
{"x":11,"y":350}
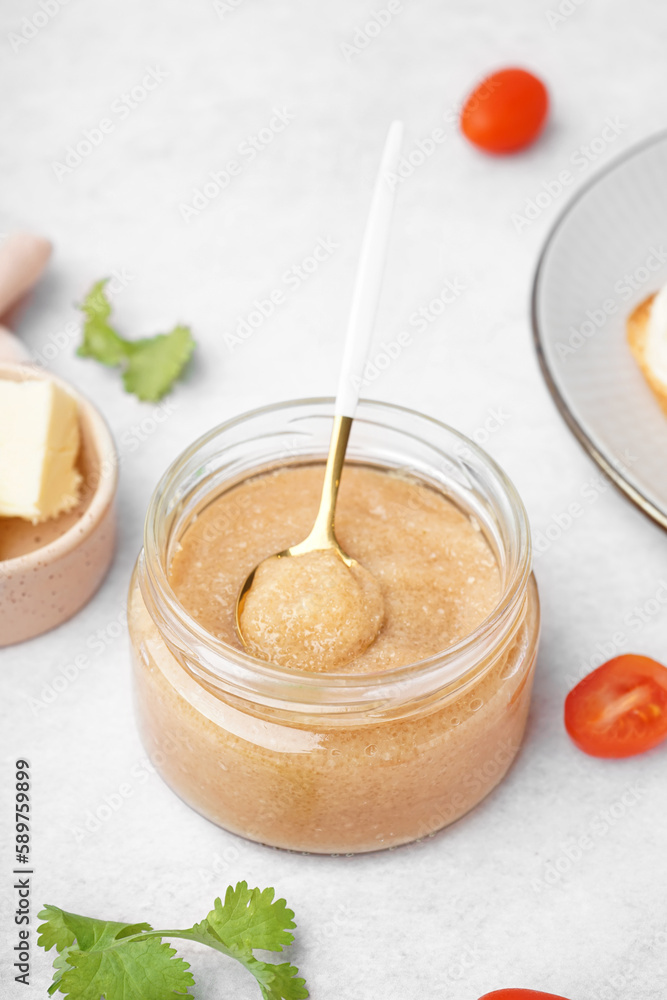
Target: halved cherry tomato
{"x":620,"y":709}
{"x":506,"y":111}
{"x":520,"y":995}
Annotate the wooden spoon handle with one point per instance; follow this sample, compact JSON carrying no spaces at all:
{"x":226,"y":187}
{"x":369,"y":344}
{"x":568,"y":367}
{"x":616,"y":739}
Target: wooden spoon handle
{"x":23,"y":257}
{"x":12,"y":350}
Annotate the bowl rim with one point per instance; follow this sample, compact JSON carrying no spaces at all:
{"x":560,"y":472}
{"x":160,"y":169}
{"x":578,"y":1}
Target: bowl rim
{"x":105,"y":488}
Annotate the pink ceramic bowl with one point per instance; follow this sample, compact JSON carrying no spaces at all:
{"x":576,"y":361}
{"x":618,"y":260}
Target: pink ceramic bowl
{"x":49,"y":571}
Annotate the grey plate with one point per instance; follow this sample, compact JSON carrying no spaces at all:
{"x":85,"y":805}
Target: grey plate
{"x":605,"y":254}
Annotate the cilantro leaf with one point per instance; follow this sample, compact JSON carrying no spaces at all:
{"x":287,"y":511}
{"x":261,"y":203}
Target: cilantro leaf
{"x":60,"y":966}
{"x":278,"y":982}
{"x":154,"y":362}
{"x":54,"y":930}
{"x":150,"y":365}
{"x":62,"y":929}
{"x":143,"y":969}
{"x":106,"y":960}
{"x":100,"y":341}
{"x":251,"y":919}
{"x":96,"y":959}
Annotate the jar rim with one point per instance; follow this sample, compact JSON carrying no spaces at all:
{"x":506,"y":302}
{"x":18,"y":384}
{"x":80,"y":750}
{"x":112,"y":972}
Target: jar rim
{"x":248,"y":673}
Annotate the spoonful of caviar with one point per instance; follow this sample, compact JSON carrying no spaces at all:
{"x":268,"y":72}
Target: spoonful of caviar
{"x":312,"y":606}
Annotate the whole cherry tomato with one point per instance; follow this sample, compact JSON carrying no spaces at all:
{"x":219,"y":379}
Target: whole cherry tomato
{"x":520,"y":995}
{"x":506,"y":111}
{"x":620,"y":709}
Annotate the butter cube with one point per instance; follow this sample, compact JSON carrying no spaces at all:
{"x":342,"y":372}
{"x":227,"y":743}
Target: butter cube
{"x":39,"y":444}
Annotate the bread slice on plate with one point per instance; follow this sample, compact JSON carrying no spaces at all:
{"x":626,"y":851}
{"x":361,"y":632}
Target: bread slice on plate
{"x":638,"y":328}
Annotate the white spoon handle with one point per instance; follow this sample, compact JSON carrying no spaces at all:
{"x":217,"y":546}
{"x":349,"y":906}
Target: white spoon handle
{"x":369,"y":276}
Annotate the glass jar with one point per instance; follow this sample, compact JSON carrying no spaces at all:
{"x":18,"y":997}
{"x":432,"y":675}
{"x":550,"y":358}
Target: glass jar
{"x":328,"y":762}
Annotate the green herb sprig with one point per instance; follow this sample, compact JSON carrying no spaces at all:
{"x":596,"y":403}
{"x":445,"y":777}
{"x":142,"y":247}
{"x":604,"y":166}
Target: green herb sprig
{"x":150,"y":365}
{"x":115,"y":961}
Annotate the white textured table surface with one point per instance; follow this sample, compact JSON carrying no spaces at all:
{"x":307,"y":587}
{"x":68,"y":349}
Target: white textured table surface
{"x":502,"y":898}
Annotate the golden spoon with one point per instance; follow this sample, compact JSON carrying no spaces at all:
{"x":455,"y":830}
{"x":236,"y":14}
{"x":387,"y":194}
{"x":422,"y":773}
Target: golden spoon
{"x":360,"y":327}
